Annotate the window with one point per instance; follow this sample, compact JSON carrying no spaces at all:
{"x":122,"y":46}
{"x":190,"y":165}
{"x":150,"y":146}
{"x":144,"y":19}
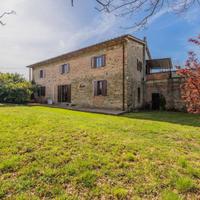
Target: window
{"x":139,"y":65}
{"x":64,"y":69}
{"x":100,"y":88}
{"x":139,"y":95}
{"x":41,"y":91}
{"x":41,"y":73}
{"x":99,"y":61}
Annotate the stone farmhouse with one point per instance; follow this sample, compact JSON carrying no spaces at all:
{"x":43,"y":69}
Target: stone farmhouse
{"x":115,"y":74}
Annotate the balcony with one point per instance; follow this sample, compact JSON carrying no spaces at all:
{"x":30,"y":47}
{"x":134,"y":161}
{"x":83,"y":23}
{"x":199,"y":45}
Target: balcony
{"x":159,"y":69}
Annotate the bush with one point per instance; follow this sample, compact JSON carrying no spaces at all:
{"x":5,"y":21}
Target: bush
{"x":14,"y":89}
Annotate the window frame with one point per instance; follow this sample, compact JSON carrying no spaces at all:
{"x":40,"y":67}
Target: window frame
{"x":100,"y":88}
{"x":41,"y":75}
{"x":139,"y":65}
{"x":99,"y":61}
{"x":41,"y":91}
{"x":65,"y":68}
{"x":64,"y":93}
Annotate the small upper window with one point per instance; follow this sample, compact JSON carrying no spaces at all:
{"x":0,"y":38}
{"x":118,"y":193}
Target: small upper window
{"x":99,"y":61}
{"x":41,"y":73}
{"x":139,"y":65}
{"x":64,"y":68}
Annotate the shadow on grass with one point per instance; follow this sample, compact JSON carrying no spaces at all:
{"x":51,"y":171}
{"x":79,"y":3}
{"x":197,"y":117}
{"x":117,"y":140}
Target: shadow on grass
{"x":171,"y":117}
{"x":11,"y":105}
{"x":162,"y":116}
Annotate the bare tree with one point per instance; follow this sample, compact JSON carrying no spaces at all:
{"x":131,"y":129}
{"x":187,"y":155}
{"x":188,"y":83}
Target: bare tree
{"x":4,"y":14}
{"x":143,"y":10}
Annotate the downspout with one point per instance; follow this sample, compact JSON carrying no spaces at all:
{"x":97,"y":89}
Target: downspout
{"x":144,"y":70}
{"x":123,"y":78}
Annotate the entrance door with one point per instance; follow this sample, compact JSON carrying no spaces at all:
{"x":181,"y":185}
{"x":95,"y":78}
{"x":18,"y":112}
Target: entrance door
{"x":64,"y":93}
{"x":155,"y":101}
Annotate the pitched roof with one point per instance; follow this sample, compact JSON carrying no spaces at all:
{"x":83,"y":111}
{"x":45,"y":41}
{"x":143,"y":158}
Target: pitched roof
{"x":89,"y":48}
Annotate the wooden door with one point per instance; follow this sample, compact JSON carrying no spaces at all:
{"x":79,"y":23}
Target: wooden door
{"x":64,"y":93}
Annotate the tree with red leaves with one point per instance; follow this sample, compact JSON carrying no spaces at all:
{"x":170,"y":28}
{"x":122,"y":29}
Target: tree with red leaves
{"x":190,"y":88}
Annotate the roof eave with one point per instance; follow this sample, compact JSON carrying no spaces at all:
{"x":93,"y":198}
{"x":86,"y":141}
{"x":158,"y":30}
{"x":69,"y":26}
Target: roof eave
{"x":63,"y":56}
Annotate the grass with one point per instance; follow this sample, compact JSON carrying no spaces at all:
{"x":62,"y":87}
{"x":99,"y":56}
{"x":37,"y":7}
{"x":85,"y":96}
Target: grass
{"x":50,"y":153}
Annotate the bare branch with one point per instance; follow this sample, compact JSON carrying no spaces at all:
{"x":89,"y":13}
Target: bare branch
{"x":4,"y":14}
{"x":143,"y":10}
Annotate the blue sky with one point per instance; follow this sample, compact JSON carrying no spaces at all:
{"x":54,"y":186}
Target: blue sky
{"x":47,"y":28}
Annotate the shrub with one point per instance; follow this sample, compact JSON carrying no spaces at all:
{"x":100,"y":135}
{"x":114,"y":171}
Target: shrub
{"x":14,"y":88}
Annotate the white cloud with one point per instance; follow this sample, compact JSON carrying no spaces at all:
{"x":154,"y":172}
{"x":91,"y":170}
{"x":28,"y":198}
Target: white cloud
{"x":47,"y":28}
{"x":42,"y":30}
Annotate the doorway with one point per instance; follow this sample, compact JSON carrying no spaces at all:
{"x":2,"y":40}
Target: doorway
{"x":155,"y":101}
{"x":64,"y":93}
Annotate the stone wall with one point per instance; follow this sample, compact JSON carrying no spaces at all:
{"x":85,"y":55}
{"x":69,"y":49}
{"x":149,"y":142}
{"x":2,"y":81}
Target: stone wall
{"x":82,"y":76}
{"x":134,"y":77}
{"x":169,"y":88}
{"x":122,"y":75}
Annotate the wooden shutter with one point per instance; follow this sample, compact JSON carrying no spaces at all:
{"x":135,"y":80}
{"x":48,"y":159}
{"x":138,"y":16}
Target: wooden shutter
{"x":69,"y":93}
{"x":104,"y":82}
{"x":104,"y":60}
{"x":41,"y":74}
{"x":59,"y":93}
{"x":60,"y":69}
{"x":95,"y":88}
{"x":68,"y":68}
{"x":139,"y":95}
{"x":43,"y":91}
{"x":39,"y":92}
{"x":44,"y":73}
{"x":93,"y":62}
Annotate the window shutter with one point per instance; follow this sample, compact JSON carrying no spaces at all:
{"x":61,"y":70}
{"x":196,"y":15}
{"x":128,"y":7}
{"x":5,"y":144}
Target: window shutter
{"x":104,"y":60}
{"x":95,"y":88}
{"x":69,"y":93}
{"x":44,"y":73}
{"x":59,"y":94}
{"x":40,"y":73}
{"x":68,"y":68}
{"x":44,"y":92}
{"x":93,"y":62}
{"x":38,"y":92}
{"x":104,"y":88}
{"x":60,"y":69}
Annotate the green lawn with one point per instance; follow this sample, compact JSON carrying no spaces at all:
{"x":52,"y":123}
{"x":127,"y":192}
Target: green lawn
{"x":50,"y":153}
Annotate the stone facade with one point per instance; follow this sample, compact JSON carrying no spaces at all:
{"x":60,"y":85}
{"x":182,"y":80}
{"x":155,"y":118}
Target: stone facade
{"x":128,"y":87}
{"x":167,"y":85}
{"x":81,"y":77}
